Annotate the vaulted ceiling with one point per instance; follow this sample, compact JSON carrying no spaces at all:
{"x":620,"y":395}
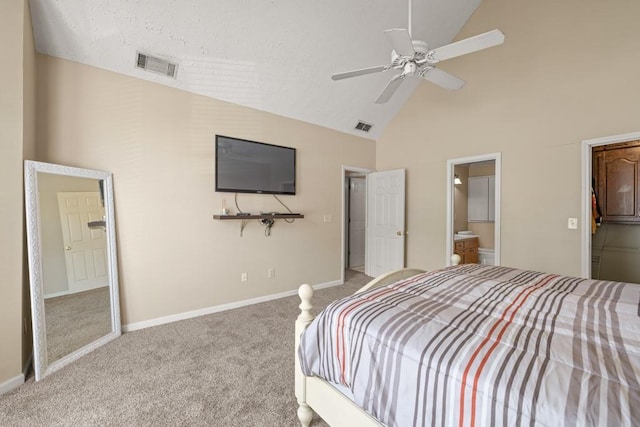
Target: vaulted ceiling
{"x":272,"y":55}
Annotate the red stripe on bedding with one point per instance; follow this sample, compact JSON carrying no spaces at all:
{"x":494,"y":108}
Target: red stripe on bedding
{"x":340,"y":340}
{"x":526,"y":293}
{"x":340,"y":337}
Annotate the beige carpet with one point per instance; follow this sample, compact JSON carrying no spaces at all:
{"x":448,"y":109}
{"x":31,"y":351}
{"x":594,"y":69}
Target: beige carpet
{"x":233,"y":368}
{"x":76,"y":320}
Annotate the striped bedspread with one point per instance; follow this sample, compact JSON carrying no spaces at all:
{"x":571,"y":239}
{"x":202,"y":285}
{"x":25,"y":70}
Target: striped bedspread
{"x":479,"y":345}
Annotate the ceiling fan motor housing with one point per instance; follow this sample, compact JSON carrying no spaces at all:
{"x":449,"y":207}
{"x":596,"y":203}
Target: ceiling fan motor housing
{"x":410,"y":68}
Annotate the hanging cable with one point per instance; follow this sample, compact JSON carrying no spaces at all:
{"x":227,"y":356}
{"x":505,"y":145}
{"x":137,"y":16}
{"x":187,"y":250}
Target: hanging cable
{"x":236,"y":202}
{"x":288,"y":220}
{"x":268,"y":223}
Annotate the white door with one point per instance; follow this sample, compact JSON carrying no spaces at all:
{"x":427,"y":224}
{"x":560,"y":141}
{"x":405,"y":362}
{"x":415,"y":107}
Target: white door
{"x":385,"y":221}
{"x":85,"y":248}
{"x":357,"y":221}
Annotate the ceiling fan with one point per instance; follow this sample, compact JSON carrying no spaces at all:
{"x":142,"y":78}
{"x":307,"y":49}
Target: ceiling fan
{"x":413,"y":57}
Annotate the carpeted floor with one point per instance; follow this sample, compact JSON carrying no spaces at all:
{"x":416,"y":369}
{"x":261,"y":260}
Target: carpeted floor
{"x":233,"y":368}
{"x":76,"y":320}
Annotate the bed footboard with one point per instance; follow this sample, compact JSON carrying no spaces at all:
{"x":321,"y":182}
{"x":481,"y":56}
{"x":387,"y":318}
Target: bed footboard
{"x":305,"y":414}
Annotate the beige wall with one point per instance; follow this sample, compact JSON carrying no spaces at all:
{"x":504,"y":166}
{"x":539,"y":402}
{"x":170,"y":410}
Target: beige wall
{"x":567,"y":72}
{"x":159,"y":144}
{"x":16,"y":141}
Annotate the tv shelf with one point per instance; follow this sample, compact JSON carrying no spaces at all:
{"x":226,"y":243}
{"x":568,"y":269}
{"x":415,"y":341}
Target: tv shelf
{"x":258,"y":216}
{"x":245,"y":218}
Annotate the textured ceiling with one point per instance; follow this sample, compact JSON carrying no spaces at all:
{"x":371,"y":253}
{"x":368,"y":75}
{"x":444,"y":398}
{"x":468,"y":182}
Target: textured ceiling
{"x":272,"y":55}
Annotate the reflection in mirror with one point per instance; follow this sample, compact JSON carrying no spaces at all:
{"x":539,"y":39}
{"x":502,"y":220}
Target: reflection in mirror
{"x":72,"y":262}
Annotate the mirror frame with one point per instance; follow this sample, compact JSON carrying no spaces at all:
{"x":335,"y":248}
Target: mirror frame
{"x":42,"y":367}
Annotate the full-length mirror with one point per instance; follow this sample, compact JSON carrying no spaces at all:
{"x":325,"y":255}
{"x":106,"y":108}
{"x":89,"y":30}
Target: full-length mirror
{"x":72,"y":263}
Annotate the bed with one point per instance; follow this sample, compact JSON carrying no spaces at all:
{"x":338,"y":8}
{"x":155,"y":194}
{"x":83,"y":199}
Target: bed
{"x":472,"y":345}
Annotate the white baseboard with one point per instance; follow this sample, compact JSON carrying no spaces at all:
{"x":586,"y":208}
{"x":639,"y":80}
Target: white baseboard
{"x":218,"y":308}
{"x":11,"y":384}
{"x":323,"y":286}
{"x":17,"y":381}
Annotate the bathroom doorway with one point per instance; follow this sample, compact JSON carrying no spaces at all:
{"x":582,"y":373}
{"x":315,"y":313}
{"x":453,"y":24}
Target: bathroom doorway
{"x":473,"y":209}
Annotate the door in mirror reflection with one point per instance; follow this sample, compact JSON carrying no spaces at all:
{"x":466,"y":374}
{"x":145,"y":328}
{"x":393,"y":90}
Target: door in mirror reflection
{"x":85,"y":247}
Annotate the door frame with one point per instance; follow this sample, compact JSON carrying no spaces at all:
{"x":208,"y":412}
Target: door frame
{"x":343,"y":175}
{"x":451,"y":164}
{"x":587,"y":173}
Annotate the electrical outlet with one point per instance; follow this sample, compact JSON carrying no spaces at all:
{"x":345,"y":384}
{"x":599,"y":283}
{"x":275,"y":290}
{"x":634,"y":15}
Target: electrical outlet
{"x":572,"y":224}
{"x":244,"y":277}
{"x":271,"y":273}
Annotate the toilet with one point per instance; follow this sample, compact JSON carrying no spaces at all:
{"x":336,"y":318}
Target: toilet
{"x":486,"y":256}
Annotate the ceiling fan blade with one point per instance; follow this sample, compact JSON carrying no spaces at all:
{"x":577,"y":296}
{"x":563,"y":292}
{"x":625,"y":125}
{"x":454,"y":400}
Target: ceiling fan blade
{"x":462,"y":47}
{"x":390,"y":89}
{"x":360,"y":72}
{"x":400,"y":41}
{"x":443,"y":79}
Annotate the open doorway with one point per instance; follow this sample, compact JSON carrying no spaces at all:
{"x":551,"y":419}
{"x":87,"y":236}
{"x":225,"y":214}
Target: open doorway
{"x":354,"y":186}
{"x":611,"y":208}
{"x":473,"y":209}
{"x":356,"y":222}
{"x":384,"y":213}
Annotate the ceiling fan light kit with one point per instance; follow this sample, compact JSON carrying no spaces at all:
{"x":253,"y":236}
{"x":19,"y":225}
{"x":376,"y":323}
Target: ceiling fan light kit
{"x":412,"y":57}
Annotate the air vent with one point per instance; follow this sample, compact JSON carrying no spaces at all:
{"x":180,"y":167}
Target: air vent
{"x":364,"y":127}
{"x":156,"y":65}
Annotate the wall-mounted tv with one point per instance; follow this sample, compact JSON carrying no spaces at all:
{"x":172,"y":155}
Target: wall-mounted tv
{"x":244,"y":166}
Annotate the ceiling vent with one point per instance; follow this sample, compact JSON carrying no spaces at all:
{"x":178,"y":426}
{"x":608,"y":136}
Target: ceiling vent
{"x":364,"y":127}
{"x":156,"y":65}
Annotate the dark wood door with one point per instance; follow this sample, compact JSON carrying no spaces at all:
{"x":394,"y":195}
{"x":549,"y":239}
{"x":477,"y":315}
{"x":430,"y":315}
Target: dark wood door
{"x":616,"y":169}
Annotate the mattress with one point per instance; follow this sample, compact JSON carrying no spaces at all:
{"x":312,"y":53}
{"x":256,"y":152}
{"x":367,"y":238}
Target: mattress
{"x":483,"y":345}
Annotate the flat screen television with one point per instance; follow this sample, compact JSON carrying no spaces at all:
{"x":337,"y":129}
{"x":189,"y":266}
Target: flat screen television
{"x":244,"y":166}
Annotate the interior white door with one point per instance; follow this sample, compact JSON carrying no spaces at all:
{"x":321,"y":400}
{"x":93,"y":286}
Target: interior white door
{"x":85,"y":248}
{"x":385,"y":221}
{"x":357,"y":220}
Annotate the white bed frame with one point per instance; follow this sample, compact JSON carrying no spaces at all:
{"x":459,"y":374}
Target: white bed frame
{"x":315,"y":394}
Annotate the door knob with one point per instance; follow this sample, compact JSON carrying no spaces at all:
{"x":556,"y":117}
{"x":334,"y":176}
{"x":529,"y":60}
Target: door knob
{"x":399,"y":233}
{"x":67,"y":248}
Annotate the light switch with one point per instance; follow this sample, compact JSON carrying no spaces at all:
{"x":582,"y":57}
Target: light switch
{"x":328,"y":218}
{"x":573,"y":223}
